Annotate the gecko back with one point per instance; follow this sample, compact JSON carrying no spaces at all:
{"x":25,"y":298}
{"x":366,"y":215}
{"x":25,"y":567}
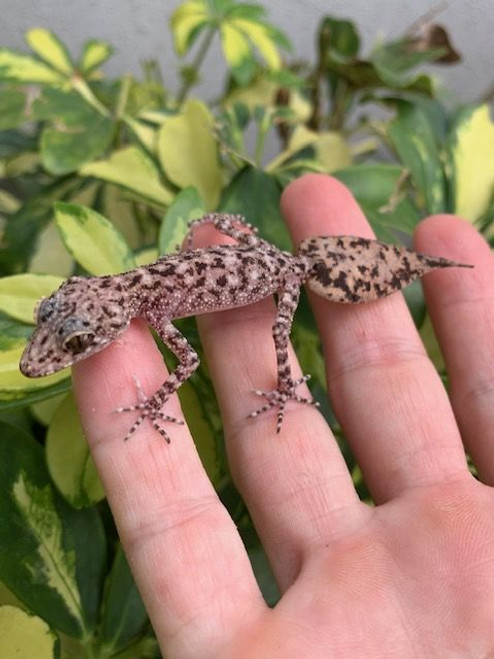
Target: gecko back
{"x":351,"y":269}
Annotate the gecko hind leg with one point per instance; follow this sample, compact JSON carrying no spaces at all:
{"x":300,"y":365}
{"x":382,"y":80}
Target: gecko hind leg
{"x":286,"y":386}
{"x":278,"y":398}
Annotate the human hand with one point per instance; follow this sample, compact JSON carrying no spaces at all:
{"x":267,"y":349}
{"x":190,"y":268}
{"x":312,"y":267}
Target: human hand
{"x":412,"y":576}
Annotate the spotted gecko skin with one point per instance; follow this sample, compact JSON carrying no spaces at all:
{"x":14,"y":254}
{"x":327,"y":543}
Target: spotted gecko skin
{"x":86,"y":314}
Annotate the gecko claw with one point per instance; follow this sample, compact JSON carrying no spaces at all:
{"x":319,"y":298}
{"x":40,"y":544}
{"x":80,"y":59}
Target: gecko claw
{"x":278,"y":398}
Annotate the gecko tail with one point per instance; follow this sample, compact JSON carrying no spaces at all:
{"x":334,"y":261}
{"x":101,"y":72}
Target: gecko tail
{"x":353,"y":270}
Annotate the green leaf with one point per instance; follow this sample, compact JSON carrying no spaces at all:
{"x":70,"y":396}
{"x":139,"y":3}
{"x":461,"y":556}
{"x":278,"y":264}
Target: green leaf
{"x":472,"y":147}
{"x":186,"y":206}
{"x":395,"y":61}
{"x":50,"y":49}
{"x":19,"y":294}
{"x":377,"y":190}
{"x":64,"y":152}
{"x":92,"y":240}
{"x":46,"y":559}
{"x":18,"y":68}
{"x":67,"y":455}
{"x":132,"y":170}
{"x":78,"y":133}
{"x":93,"y":55}
{"x":255,"y":194}
{"x":414,"y":140}
{"x":12,"y":108}
{"x":192,"y":400}
{"x":13,"y":334}
{"x":25,"y":635}
{"x":188,"y":152}
{"x":338,"y":37}
{"x":124,"y":615}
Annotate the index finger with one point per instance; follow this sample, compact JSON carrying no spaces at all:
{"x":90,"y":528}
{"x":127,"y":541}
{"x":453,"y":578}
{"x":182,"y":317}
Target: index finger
{"x":177,"y":535}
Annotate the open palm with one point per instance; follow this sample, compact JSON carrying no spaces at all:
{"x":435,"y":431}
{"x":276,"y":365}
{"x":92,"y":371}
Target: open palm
{"x":412,"y":576}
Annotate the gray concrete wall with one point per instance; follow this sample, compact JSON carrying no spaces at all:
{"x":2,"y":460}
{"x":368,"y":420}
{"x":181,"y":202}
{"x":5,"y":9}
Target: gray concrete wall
{"x":138,"y":29}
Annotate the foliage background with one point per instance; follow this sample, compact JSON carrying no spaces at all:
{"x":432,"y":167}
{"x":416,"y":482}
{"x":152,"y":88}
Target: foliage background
{"x":102,"y":172}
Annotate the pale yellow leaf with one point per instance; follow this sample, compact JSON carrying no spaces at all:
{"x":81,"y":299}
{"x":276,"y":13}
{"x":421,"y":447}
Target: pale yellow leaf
{"x":188,"y":152}
{"x":20,"y":293}
{"x":473,"y":157}
{"x":50,"y":49}
{"x":131,"y":169}
{"x":13,"y":382}
{"x":25,"y":636}
{"x":68,"y":458}
{"x":235,"y":46}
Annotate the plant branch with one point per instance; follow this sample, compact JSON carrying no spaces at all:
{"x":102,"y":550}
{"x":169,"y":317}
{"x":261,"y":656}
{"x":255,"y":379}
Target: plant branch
{"x":196,"y":64}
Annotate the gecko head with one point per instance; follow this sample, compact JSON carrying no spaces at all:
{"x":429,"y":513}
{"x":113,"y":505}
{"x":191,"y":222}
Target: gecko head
{"x":81,"y":318}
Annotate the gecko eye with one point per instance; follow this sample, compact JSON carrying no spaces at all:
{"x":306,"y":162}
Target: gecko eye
{"x":45,"y":309}
{"x":75,"y":335}
{"x":78,"y":342}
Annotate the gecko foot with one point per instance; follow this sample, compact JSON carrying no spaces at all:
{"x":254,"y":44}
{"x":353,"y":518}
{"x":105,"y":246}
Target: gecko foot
{"x":151,"y":412}
{"x":150,"y":408}
{"x":278,"y":398}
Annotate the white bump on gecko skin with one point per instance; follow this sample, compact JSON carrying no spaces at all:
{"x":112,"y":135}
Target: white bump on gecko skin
{"x":86,"y":314}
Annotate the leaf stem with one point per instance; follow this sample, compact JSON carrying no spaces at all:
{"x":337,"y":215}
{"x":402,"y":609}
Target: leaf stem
{"x":199,"y":58}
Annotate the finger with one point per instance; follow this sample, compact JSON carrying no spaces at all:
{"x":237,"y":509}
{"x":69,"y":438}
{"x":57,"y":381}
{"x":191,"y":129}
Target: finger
{"x":295,"y":483}
{"x":461,"y":306}
{"x":182,"y":546}
{"x":385,"y":392}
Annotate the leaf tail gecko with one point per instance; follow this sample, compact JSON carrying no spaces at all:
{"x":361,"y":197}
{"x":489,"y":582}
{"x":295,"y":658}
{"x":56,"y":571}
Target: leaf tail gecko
{"x":86,"y":314}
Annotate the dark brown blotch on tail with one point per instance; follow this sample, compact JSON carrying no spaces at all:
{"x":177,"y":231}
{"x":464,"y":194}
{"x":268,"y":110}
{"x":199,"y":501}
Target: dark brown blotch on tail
{"x":353,"y":270}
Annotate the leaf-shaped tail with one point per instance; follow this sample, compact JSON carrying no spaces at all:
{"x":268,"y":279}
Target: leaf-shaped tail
{"x":352,"y":269}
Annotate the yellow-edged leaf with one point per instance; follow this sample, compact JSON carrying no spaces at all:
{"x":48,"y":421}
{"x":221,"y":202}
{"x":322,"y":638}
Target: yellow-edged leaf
{"x":332,"y":152}
{"x":68,"y":458}
{"x":92,"y":240}
{"x":12,"y":380}
{"x":183,"y":28}
{"x":23,"y":635}
{"x":95,"y":53}
{"x":46,"y":45}
{"x":36,"y":506}
{"x":258,"y":36}
{"x":131,"y":169}
{"x":235,"y":46}
{"x":262,"y":91}
{"x":15,"y":67}
{"x":20,"y":293}
{"x":188,"y":152}
{"x":146,"y":134}
{"x":186,"y":9}
{"x":473,"y":157}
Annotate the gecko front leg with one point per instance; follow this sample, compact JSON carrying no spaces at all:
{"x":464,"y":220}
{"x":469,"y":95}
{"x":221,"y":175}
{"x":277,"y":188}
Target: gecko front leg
{"x":151,"y":408}
{"x":286,"y":389}
{"x":226,"y":224}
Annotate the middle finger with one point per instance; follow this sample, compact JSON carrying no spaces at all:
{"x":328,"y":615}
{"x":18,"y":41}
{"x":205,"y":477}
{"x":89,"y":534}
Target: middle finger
{"x":385,"y":391}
